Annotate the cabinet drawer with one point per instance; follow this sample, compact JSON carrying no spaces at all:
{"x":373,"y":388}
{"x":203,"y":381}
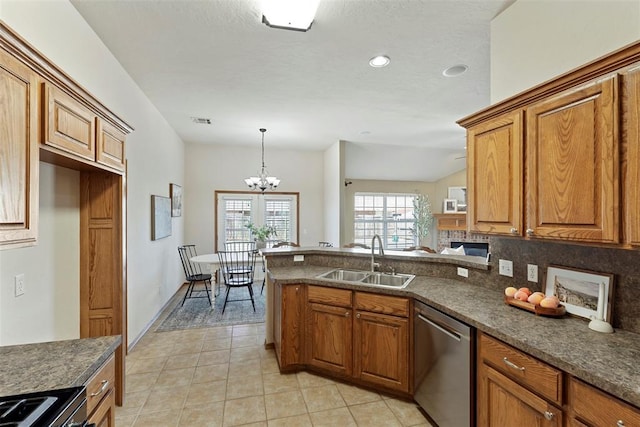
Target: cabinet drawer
{"x":100,"y":384}
{"x":382,"y":304}
{"x":331,"y":296}
{"x":524,"y":369}
{"x":596,"y":408}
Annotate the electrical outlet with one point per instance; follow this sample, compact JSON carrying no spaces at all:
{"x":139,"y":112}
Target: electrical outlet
{"x":463,"y":272}
{"x":298,"y":258}
{"x":505,"y":267}
{"x":18,"y":281}
{"x":532,"y":273}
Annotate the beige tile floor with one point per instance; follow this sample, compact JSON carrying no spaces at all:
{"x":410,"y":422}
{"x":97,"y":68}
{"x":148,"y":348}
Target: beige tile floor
{"x":224,"y":376}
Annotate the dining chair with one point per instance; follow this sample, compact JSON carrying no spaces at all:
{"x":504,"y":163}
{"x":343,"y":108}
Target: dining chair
{"x":285,"y":244}
{"x":419,"y":249}
{"x":237,"y":269}
{"x":193,"y":273}
{"x":356,"y":245}
{"x":234,"y":246}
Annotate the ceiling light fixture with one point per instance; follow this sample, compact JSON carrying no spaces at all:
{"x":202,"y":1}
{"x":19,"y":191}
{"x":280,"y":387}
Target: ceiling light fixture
{"x":263,"y":181}
{"x":456,"y":70}
{"x":379,"y":61}
{"x":295,"y":15}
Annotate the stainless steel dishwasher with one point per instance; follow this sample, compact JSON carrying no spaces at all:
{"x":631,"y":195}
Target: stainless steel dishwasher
{"x":444,"y":367}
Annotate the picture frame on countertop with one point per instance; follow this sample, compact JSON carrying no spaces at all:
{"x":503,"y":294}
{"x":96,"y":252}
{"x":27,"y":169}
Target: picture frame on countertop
{"x":450,"y":206}
{"x":579,"y":291}
{"x":460,"y":194}
{"x":175,"y":192}
{"x":160,"y":217}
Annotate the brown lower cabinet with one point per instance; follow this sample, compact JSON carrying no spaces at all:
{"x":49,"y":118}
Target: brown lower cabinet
{"x":516,"y":389}
{"x":101,"y":395}
{"x":358,"y":336}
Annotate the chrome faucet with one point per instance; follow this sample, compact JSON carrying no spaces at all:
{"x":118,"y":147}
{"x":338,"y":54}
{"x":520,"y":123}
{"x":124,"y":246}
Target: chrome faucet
{"x":374,"y":264}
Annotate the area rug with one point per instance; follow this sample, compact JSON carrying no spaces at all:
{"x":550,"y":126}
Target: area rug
{"x":196,"y":312}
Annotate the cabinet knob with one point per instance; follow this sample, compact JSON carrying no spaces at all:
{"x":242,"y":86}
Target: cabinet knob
{"x":548,"y":415}
{"x":529,"y":231}
{"x":297,"y":288}
{"x":514,"y":230}
{"x":620,"y":423}
{"x":358,"y":315}
{"x":346,"y":314}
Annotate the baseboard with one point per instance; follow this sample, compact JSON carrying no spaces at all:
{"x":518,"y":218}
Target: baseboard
{"x":154,"y":319}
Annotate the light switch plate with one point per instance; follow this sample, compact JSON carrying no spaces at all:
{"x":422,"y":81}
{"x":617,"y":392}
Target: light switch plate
{"x":505,"y":267}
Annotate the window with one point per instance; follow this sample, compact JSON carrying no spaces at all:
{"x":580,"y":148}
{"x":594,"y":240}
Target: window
{"x":389,"y":215}
{"x":236,"y":210}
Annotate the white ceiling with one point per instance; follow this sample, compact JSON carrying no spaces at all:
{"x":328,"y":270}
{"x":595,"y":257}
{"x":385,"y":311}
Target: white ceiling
{"x":215,"y":59}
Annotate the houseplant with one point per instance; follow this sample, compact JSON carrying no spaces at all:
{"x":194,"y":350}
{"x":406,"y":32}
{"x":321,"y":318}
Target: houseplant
{"x":261,"y":234}
{"x":423,"y":216}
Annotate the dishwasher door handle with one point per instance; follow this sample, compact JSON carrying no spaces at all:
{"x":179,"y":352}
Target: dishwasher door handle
{"x":449,"y":332}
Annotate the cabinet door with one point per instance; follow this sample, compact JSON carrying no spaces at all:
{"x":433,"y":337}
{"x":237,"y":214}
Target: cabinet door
{"x":18,"y":153}
{"x":631,"y":164}
{"x":494,"y":176}
{"x":572,"y":164}
{"x":381,"y":350}
{"x":329,"y":338}
{"x":68,"y":125}
{"x":502,"y":402}
{"x":289,"y":324}
{"x":110,"y":146}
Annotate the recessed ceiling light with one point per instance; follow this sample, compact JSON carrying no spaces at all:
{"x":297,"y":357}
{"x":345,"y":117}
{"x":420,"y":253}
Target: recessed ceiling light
{"x":379,"y":61}
{"x":454,"y":71}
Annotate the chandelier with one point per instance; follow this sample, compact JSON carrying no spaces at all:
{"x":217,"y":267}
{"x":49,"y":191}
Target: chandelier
{"x":263,"y":181}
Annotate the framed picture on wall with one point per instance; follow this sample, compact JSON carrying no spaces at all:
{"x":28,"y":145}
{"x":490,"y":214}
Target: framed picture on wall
{"x":460,"y":195}
{"x":160,"y":217}
{"x":175,"y":192}
{"x":450,"y":206}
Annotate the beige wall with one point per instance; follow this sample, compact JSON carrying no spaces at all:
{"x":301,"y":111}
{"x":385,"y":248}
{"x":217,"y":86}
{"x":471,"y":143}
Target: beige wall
{"x":224,"y":167}
{"x":533,"y":41}
{"x":49,"y":309}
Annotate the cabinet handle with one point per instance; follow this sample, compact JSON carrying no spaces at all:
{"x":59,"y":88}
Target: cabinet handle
{"x":512,"y":365}
{"x":620,"y":423}
{"x":514,"y":230}
{"x":105,"y":385}
{"x":548,"y":415}
{"x":529,"y":231}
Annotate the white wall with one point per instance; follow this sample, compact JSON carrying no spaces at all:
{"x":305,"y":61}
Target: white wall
{"x":224,"y":167}
{"x":49,"y":309}
{"x":333,"y":192}
{"x":155,"y":158}
{"x":533,"y":41}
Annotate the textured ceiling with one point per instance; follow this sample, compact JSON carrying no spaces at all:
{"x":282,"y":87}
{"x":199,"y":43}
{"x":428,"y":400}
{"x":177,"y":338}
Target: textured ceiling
{"x":214,"y":59}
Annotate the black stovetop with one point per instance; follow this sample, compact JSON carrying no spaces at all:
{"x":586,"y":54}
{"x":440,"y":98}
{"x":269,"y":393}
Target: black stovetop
{"x":39,"y":409}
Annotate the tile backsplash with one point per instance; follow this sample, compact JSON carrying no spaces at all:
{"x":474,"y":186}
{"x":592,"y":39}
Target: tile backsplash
{"x":624,"y":264}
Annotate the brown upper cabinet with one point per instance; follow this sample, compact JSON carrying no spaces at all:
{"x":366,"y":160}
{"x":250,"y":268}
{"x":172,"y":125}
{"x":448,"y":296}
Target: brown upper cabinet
{"x":561,"y":160}
{"x":78,"y":132}
{"x":18,"y":153}
{"x":494,"y":175}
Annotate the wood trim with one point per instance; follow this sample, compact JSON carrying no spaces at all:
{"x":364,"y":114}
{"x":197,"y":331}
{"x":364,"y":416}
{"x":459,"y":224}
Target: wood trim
{"x":34,"y":59}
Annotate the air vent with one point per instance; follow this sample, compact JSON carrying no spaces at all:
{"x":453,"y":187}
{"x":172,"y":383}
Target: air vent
{"x":201,"y":120}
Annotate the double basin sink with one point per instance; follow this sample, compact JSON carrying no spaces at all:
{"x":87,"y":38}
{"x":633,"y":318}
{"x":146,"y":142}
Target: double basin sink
{"x":388,"y":280}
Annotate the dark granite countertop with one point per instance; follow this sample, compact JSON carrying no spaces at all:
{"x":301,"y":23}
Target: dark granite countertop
{"x":52,"y":365}
{"x":607,"y":361}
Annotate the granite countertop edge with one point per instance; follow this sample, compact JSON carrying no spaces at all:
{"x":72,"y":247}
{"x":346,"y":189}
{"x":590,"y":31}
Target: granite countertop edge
{"x":606,"y":361}
{"x":36,"y":367}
